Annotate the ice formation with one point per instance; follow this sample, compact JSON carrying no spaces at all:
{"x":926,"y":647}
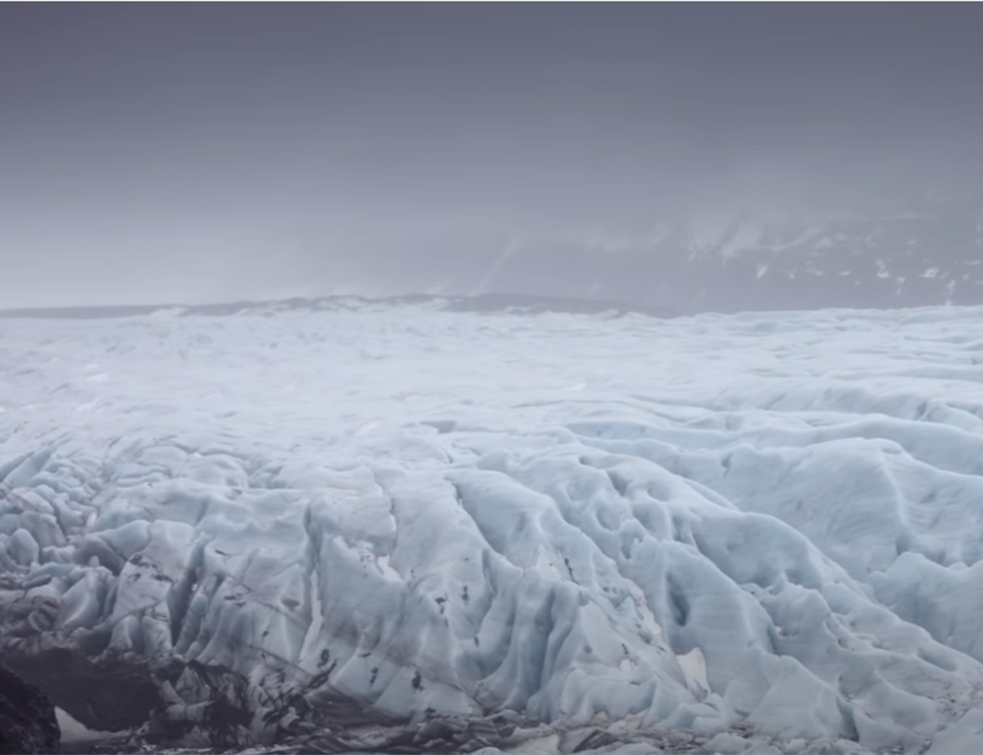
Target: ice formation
{"x":249,"y":522}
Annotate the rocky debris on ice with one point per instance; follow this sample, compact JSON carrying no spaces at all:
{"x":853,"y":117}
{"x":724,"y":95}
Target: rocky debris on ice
{"x":510,"y":734}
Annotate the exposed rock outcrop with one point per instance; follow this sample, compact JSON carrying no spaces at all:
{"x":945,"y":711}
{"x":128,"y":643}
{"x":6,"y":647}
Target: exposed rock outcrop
{"x":27,"y":717}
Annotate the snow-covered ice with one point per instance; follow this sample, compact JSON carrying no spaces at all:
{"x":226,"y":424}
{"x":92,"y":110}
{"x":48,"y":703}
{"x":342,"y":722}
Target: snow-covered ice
{"x":774,"y":519}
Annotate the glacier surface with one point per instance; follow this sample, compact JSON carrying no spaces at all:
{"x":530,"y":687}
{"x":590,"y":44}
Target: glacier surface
{"x":251,"y":523}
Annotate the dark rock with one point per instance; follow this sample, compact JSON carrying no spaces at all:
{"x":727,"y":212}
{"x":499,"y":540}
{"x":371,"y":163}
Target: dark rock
{"x":437,"y":730}
{"x":102,"y":694}
{"x":27,"y":718}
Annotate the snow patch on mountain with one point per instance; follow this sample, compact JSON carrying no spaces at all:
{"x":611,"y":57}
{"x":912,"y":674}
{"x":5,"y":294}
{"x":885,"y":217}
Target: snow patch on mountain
{"x":744,"y":236}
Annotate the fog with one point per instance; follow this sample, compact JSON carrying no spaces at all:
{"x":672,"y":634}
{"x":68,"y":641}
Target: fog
{"x":195,"y":153}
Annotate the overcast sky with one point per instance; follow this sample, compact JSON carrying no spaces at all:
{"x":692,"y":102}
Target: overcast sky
{"x":194,"y":152}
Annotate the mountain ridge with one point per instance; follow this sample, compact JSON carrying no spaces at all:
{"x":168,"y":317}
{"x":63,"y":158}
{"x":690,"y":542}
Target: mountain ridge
{"x":911,"y":254}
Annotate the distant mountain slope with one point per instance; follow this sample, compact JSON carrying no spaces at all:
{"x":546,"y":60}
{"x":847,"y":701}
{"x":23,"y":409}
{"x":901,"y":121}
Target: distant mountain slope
{"x":918,"y":251}
{"x":488,"y":303}
{"x":915,"y":253}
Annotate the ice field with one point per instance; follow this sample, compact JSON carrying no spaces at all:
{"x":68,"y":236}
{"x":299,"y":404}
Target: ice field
{"x":770,"y":520}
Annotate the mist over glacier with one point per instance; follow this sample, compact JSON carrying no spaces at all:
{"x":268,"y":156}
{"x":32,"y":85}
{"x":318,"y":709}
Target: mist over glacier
{"x":771,"y":520}
{"x":660,"y":155}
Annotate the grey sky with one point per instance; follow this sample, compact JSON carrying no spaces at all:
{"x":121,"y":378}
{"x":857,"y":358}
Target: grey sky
{"x":199,"y":152}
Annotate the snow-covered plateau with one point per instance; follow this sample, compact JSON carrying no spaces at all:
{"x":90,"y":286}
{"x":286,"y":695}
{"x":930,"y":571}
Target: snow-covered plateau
{"x":756,"y":531}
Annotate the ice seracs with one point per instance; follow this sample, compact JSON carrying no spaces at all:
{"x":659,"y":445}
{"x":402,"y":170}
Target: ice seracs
{"x":764,"y":520}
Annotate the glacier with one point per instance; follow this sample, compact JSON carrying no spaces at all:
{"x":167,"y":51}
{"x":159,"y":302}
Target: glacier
{"x":235,"y":528}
